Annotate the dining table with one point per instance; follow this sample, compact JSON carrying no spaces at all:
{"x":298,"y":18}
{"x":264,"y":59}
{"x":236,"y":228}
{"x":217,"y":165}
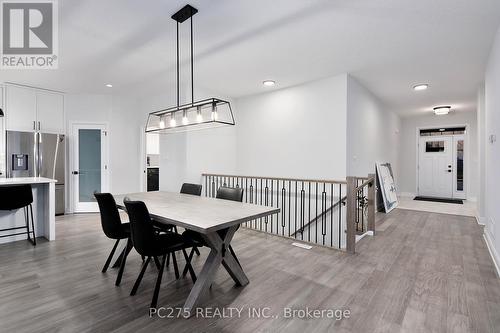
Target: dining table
{"x":206,"y":216}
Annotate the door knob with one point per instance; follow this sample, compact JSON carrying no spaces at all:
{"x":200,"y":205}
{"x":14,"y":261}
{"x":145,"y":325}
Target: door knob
{"x":75,"y":172}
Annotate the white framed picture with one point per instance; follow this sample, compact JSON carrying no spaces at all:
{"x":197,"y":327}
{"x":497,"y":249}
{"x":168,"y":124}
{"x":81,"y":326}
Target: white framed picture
{"x":387,"y":186}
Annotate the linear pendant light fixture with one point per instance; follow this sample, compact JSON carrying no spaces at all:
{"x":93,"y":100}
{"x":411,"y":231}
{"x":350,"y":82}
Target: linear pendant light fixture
{"x":202,"y":114}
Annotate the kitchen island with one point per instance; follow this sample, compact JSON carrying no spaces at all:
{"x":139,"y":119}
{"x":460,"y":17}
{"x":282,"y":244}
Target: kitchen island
{"x":43,"y":209}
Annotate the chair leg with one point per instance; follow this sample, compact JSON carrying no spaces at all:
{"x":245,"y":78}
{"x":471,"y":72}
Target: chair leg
{"x":191,"y":255}
{"x":154,"y":301}
{"x":176,"y":269}
{"x":188,"y":266}
{"x":124,"y":259}
{"x":32,"y":225}
{"x":195,"y":249}
{"x":157,"y":262}
{"x":139,"y":278}
{"x":168,"y":259}
{"x":27,"y":221}
{"x":118,"y":260}
{"x":108,"y":261}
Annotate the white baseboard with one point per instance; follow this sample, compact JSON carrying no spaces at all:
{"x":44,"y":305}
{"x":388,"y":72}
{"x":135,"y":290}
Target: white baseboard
{"x":359,"y":237}
{"x":480,"y":220}
{"x":493,"y":253}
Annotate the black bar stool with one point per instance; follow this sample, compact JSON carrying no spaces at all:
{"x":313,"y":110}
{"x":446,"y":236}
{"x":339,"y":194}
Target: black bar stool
{"x":14,"y":197}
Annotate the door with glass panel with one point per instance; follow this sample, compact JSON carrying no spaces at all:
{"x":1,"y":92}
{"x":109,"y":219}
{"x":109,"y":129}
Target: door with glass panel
{"x":435,"y":167}
{"x":89,"y":172}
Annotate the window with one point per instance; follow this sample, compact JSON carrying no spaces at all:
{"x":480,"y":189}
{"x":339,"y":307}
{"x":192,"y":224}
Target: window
{"x":434,"y":146}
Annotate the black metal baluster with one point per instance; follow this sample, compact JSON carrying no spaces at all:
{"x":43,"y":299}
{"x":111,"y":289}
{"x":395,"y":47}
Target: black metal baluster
{"x":283,"y":204}
{"x":266,"y":201}
{"x":331,"y":214}
{"x":323,"y":213}
{"x":289,"y":206}
{"x":340,"y":216}
{"x":260,"y":220}
{"x":295,"y":194}
{"x":302,"y":211}
{"x":272,"y":196}
{"x":316,"y":222}
{"x":309,"y":213}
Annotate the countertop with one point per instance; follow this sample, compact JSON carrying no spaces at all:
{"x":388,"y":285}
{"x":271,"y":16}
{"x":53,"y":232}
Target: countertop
{"x":26,"y":180}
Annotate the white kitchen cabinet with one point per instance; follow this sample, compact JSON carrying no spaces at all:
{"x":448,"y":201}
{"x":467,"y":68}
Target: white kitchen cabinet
{"x":152,"y":144}
{"x":50,"y":112}
{"x":20,"y":109}
{"x":29,"y":109}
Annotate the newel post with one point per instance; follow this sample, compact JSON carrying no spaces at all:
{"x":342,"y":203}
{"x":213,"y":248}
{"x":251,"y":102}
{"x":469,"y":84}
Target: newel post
{"x":351,"y":215}
{"x":371,"y":203}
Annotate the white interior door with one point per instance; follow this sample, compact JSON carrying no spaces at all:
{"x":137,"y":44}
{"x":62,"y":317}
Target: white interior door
{"x":89,"y":172}
{"x":435,"y":171}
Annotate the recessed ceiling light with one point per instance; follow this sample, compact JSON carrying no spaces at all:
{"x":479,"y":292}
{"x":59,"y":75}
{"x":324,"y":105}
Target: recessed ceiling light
{"x":109,"y":85}
{"x":421,"y":87}
{"x":269,"y":83}
{"x":442,"y":110}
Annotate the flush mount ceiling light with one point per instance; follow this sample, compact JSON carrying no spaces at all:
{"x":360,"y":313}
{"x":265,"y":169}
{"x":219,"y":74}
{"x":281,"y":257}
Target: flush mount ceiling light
{"x":442,"y":110}
{"x":269,"y":83}
{"x":421,"y":87}
{"x":202,"y":114}
{"x":109,"y":85}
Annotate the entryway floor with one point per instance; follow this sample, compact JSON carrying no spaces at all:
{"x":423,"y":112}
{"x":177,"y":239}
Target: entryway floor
{"x":467,"y":209}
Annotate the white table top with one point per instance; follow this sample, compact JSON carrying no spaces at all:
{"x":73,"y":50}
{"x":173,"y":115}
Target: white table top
{"x":26,"y":180}
{"x":200,"y":214}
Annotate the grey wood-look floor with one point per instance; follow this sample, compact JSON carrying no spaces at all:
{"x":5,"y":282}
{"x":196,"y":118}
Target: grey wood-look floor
{"x":423,"y":272}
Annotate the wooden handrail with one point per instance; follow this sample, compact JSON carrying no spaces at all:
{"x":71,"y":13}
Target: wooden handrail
{"x":368,"y":182}
{"x":278,"y":178}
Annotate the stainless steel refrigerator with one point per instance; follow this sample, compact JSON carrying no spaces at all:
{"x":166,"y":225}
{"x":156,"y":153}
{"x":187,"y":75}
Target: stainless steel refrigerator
{"x":38,"y":155}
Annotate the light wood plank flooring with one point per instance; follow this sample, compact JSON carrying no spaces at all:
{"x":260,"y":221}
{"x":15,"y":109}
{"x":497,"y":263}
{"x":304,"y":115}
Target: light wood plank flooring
{"x":422,"y":272}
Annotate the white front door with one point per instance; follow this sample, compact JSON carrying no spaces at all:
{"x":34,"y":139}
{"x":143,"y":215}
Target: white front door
{"x":435,"y":172}
{"x":89,"y":172}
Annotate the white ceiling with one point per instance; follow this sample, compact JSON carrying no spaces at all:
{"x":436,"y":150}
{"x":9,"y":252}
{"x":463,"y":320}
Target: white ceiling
{"x":389,"y":45}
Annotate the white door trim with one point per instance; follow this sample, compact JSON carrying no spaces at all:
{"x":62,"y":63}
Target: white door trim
{"x":73,"y":151}
{"x":466,"y":156}
{"x":143,"y":154}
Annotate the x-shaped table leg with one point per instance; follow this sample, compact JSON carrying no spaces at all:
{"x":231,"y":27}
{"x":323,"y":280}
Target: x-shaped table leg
{"x":219,"y":254}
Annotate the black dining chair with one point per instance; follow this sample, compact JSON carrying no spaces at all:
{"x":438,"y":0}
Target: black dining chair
{"x":150,"y":243}
{"x":224,"y":193}
{"x":114,"y":229}
{"x":193,"y":189}
{"x":14,"y":197}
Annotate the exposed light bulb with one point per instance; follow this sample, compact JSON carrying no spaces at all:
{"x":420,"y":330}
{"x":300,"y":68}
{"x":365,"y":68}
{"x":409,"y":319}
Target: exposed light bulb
{"x":215,"y":115}
{"x":199,"y":117}
{"x":173,"y":123}
{"x":185,"y":119}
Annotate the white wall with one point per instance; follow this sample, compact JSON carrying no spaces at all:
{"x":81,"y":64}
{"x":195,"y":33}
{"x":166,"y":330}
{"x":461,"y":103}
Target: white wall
{"x":408,"y":148}
{"x":294,"y":132}
{"x":372,"y":132}
{"x":481,"y":138}
{"x":492,"y":150}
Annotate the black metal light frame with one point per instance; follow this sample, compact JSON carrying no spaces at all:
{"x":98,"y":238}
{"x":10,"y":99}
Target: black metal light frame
{"x":216,"y":104}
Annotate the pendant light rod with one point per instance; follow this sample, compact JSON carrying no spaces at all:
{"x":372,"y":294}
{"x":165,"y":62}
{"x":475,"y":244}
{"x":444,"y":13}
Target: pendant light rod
{"x":182,"y":15}
{"x":192,"y":63}
{"x":178,"y":87}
